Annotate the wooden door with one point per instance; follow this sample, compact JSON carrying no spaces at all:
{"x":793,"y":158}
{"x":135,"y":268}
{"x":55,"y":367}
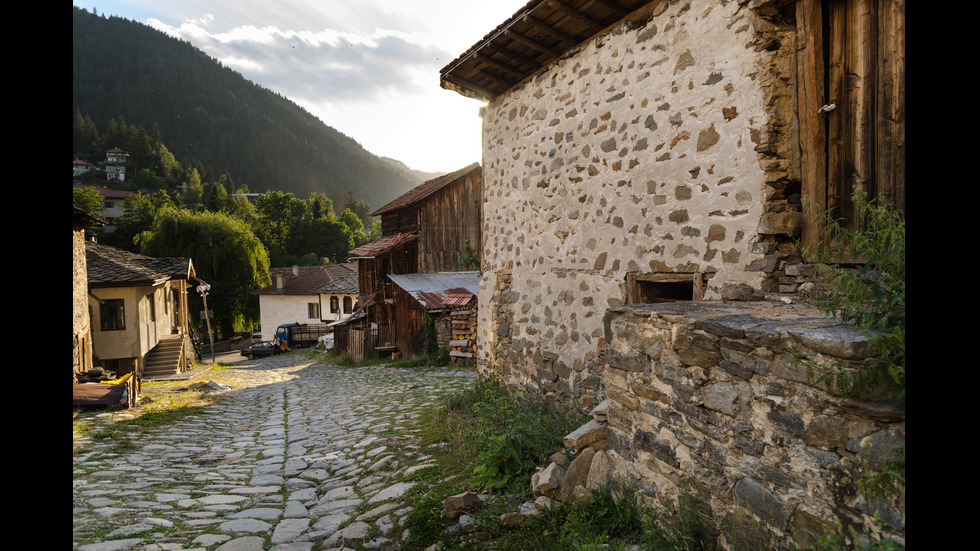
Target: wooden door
{"x":851,"y":77}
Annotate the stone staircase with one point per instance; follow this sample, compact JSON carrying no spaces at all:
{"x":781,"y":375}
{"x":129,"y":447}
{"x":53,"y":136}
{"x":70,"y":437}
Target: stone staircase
{"x":164,"y":359}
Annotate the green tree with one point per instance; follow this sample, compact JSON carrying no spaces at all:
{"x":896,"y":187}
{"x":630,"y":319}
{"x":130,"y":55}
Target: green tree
{"x":320,"y":206}
{"x":277,"y":214}
{"x":87,"y":199}
{"x":354,"y":226}
{"x":193,"y":190}
{"x":225,"y":253}
{"x":240,"y":207}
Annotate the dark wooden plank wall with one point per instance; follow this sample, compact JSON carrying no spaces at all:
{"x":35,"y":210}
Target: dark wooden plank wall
{"x":852,"y":53}
{"x":401,"y":221}
{"x":409,"y":325}
{"x":448,"y":218}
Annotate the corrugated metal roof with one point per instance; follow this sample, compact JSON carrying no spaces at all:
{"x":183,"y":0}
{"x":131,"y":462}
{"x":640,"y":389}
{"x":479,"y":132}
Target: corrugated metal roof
{"x":458,"y":299}
{"x":432,"y":290}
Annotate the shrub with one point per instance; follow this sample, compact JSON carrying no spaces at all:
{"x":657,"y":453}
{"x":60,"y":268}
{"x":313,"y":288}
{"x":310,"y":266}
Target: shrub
{"x":870,"y":294}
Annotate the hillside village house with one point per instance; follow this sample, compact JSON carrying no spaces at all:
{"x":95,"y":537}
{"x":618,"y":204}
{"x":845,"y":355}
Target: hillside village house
{"x":295,"y":296}
{"x":640,"y":151}
{"x":138,"y":308}
{"x":113,"y":201}
{"x":424,"y":231}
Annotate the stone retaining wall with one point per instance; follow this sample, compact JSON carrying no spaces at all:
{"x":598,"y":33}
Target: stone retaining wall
{"x":706,"y":398}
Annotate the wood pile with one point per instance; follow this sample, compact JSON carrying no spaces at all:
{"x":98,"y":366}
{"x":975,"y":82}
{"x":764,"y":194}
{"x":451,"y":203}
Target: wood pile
{"x":462,"y":347}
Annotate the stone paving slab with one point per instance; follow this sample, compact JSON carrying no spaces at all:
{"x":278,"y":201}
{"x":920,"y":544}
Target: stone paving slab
{"x":300,"y":456}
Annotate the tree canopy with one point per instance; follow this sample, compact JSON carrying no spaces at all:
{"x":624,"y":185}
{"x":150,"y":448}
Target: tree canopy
{"x":225,"y":253}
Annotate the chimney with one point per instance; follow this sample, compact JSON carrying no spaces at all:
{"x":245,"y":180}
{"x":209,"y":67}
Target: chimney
{"x":295,"y":269}
{"x":280,"y":282}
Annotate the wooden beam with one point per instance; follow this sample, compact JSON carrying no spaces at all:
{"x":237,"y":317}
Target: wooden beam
{"x":498,"y":66}
{"x":613,"y":7}
{"x":596,"y":26}
{"x":518,"y":37}
{"x":568,"y":39}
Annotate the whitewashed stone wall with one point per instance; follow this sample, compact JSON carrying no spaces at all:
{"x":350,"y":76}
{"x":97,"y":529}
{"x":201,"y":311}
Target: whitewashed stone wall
{"x":643,"y":151}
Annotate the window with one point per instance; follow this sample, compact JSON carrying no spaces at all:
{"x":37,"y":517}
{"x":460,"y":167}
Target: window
{"x":663,"y":287}
{"x":313,"y":310}
{"x":153,"y":306}
{"x":334,"y":305}
{"x":112,"y":313}
{"x":348,"y":305}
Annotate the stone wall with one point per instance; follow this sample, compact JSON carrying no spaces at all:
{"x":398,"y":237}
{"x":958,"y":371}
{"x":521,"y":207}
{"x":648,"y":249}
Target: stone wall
{"x":663,"y":146}
{"x":81,"y":354}
{"x":707,"y":399}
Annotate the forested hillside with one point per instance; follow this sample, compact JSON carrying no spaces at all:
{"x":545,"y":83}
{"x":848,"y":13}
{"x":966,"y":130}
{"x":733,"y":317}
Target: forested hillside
{"x":125,"y":70}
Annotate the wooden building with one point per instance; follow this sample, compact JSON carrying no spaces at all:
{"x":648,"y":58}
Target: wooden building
{"x":423,"y":231}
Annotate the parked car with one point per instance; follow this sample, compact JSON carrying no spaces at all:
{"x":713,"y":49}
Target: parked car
{"x":260,"y":349}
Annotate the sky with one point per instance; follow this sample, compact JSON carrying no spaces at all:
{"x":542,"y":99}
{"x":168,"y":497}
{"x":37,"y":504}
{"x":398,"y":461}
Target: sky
{"x":369,"y":68}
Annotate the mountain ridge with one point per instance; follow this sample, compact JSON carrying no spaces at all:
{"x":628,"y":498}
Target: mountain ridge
{"x":211,"y":113}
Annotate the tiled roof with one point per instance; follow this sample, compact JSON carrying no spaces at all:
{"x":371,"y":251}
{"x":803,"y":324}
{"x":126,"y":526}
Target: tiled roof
{"x":343,"y":286}
{"x":303,"y":280}
{"x":540,"y":32}
{"x":425,"y":189}
{"x":382,"y":245}
{"x":111,"y":267}
{"x":432,"y":290}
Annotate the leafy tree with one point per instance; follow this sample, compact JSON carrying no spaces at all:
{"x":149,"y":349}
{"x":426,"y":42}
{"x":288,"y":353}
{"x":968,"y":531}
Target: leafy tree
{"x":87,"y":199}
{"x":139,"y":213}
{"x":215,"y":197}
{"x":225,"y":253}
{"x":277,"y":215}
{"x":320,"y":206}
{"x":354,"y":226}
{"x":240,"y":207}
{"x":193,"y":190}
{"x":325,"y":238}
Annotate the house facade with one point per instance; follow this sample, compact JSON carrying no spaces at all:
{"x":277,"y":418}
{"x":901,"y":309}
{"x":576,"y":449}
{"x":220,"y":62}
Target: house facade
{"x":643,"y":152}
{"x":295,"y":296}
{"x":135,"y":304}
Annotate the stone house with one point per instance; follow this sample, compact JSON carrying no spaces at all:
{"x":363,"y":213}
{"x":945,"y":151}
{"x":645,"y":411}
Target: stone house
{"x":138,"y":309}
{"x":645,"y":164}
{"x":295,"y":296}
{"x":424,"y":231}
{"x":638,"y":151}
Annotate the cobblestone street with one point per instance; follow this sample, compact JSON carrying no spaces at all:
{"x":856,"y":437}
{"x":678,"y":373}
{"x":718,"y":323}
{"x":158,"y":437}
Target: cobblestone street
{"x":297,"y":456}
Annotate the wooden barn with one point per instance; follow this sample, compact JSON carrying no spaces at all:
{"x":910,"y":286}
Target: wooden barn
{"x":421,"y":299}
{"x":424,"y":231}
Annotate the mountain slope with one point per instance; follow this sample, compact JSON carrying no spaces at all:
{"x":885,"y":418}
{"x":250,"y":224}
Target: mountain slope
{"x":205,"y":111}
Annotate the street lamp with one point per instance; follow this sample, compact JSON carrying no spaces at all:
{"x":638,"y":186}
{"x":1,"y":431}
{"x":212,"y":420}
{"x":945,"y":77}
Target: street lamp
{"x":203,"y":290}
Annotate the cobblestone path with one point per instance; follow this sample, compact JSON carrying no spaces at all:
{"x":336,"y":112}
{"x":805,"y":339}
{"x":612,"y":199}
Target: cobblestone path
{"x":300,"y":456}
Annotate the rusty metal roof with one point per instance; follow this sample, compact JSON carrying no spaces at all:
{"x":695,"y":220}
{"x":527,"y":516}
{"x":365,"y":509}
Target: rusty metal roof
{"x":426,"y":189}
{"x":432,"y":290}
{"x":458,"y":299}
{"x":540,"y":32}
